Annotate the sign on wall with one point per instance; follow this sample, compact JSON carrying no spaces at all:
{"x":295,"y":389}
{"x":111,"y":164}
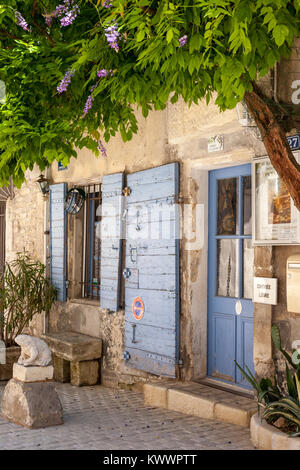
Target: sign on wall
{"x":294,"y":141}
{"x":265,"y":290}
{"x":276,"y":220}
{"x":215,"y":143}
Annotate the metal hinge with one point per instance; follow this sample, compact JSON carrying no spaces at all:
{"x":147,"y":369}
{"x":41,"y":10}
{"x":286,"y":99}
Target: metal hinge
{"x":180,"y":363}
{"x":67,"y":284}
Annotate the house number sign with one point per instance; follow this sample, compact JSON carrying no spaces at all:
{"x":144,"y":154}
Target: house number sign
{"x":265,"y":290}
{"x":138,"y":308}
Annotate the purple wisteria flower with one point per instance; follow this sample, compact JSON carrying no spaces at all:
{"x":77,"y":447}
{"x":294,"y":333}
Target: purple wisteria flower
{"x":107,"y":4}
{"x":112,"y":34}
{"x":89,"y":102}
{"x":183,"y":40}
{"x":66,"y":12}
{"x":102,"y":149}
{"x":104,"y":73}
{"x":21,"y":21}
{"x":70,"y":16}
{"x":65,"y":81}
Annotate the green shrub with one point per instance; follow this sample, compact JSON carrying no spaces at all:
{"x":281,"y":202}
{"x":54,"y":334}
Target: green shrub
{"x":24,"y":292}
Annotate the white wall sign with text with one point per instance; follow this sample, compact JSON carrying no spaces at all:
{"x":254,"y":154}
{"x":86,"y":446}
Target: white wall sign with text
{"x":265,"y":290}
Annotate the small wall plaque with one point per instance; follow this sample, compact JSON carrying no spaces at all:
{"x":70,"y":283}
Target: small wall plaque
{"x":265,"y":290}
{"x":215,"y":143}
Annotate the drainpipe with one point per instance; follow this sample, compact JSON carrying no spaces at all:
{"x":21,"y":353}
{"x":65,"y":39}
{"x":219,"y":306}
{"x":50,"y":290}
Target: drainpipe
{"x":46,"y":247}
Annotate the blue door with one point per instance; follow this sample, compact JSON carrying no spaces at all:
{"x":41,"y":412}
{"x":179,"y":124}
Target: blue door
{"x":230,"y":274}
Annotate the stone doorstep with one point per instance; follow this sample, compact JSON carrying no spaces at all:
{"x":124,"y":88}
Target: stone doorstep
{"x":74,"y":347}
{"x":202,"y":401}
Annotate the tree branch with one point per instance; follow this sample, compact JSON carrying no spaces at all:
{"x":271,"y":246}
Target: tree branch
{"x":42,"y":30}
{"x":11,"y":36}
{"x":276,"y":143}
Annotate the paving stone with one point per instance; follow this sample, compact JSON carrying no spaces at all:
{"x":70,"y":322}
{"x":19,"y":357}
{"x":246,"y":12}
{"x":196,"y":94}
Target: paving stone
{"x":95,"y":418}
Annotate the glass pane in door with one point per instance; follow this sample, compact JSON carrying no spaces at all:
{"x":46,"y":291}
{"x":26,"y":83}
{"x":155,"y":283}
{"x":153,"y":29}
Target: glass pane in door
{"x":227,"y":268}
{"x":227,"y":218}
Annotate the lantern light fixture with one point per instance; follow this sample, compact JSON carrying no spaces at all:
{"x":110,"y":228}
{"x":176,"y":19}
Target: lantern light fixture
{"x":43,"y":184}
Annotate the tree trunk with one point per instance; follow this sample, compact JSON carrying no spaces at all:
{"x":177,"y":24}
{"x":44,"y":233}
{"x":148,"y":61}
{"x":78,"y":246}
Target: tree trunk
{"x":276,"y":144}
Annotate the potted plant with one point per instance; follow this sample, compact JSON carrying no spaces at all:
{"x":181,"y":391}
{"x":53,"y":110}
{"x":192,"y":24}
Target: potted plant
{"x":279,"y":403}
{"x":24,"y":292}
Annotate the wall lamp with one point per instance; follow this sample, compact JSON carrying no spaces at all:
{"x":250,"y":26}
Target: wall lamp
{"x":43,"y":184}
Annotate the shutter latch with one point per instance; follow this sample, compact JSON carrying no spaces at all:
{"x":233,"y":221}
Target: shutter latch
{"x":126,"y":191}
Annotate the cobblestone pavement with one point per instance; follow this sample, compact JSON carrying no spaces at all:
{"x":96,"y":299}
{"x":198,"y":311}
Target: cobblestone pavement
{"x":106,"y":419}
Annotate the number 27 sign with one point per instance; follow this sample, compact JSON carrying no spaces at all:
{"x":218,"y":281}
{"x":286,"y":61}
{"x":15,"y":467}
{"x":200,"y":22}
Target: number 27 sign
{"x":294,"y":141}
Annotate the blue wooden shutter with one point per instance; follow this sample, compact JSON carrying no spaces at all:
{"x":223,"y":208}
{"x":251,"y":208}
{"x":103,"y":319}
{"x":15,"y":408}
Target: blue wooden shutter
{"x":58,"y":241}
{"x":111,"y":240}
{"x":152,"y":270}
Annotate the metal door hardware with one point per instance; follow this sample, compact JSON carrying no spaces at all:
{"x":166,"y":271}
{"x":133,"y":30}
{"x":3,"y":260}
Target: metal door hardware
{"x":238,"y":307}
{"x":133,"y":333}
{"x":133,"y":251}
{"x":126,"y":356}
{"x":126,"y":273}
{"x":126,"y":191}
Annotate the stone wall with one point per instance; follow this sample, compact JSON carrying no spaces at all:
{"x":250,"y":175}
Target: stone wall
{"x":177,"y":134}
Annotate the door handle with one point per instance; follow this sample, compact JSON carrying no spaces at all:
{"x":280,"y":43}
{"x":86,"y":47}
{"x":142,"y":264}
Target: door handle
{"x":133,"y":333}
{"x":132,"y":250}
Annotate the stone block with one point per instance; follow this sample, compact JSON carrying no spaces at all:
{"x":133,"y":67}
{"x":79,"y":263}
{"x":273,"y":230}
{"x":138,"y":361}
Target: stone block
{"x":61,"y":369}
{"x":267,"y":437}
{"x":12,"y":355}
{"x":84,"y":373}
{"x":32,"y":373}
{"x":155,"y":395}
{"x":188,"y":403}
{"x":74,"y":347}
{"x":33,"y":405}
{"x":232,"y":414}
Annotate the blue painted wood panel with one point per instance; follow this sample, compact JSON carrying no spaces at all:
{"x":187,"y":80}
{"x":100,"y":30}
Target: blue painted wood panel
{"x":152,"y":265}
{"x":111,"y":240}
{"x":58,"y":239}
{"x":230,"y":335}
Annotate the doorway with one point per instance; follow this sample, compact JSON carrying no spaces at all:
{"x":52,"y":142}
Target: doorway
{"x":230,"y":274}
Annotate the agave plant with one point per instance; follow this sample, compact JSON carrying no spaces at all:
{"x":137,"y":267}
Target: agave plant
{"x":287,"y":408}
{"x":266,"y":390}
{"x":275,"y":402}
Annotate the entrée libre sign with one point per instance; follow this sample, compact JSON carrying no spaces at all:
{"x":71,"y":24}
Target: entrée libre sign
{"x":265,"y":290}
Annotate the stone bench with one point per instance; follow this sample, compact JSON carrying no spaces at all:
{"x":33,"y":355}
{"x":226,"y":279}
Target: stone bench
{"x":75,"y":357}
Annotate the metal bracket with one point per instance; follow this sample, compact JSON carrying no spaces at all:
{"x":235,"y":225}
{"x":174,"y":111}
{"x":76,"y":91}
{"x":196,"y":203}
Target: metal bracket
{"x":126,"y":356}
{"x":126,"y":273}
{"x":126,"y":191}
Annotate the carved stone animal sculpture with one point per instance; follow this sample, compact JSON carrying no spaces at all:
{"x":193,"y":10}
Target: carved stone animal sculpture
{"x":34,"y":351}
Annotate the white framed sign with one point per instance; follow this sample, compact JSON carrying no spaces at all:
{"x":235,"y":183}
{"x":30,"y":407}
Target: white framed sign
{"x":265,"y":290}
{"x":276,"y":220}
{"x":215,"y":143}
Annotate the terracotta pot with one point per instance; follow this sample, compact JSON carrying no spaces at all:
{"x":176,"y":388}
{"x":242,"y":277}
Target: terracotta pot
{"x":12,"y":356}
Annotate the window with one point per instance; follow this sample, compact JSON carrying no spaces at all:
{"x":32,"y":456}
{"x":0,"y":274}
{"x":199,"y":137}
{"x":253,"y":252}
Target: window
{"x":91,"y":243}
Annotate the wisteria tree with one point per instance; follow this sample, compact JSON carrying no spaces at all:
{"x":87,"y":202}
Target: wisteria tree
{"x":75,"y":71}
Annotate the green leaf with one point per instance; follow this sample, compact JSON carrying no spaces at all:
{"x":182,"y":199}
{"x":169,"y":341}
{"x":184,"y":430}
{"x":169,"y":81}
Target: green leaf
{"x":170,"y":35}
{"x":280,"y":33}
{"x":275,"y":332}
